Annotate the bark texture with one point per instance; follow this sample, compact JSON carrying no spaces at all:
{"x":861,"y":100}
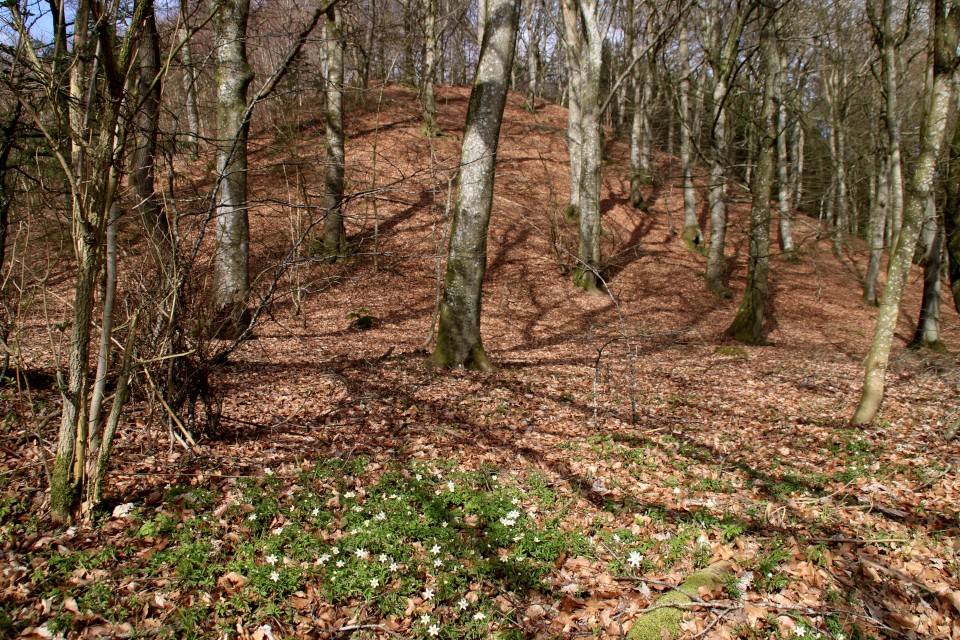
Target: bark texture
{"x":723,"y":62}
{"x":459,"y":342}
{"x":334,"y":233}
{"x":91,"y":199}
{"x":951,"y":214}
{"x":231,"y":278}
{"x":946,"y":15}
{"x":927,"y":335}
{"x":878,"y":219}
{"x":747,"y":326}
{"x":586,"y":275}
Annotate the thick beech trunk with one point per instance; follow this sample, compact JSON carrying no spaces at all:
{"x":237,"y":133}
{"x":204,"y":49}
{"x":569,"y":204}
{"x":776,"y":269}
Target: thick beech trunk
{"x":947,"y":27}
{"x":723,"y":61}
{"x":586,"y":275}
{"x":889,"y":58}
{"x":747,"y":326}
{"x":231,"y":279}
{"x":459,"y":342}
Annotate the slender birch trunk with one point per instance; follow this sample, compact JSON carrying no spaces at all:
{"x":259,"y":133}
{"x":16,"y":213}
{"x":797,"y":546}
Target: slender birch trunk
{"x":946,"y":15}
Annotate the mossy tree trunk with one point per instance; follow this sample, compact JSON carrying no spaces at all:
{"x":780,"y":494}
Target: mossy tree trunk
{"x":231,"y":278}
{"x":91,"y":199}
{"x":946,"y":17}
{"x":334,"y":232}
{"x":459,"y":342}
{"x":747,"y":326}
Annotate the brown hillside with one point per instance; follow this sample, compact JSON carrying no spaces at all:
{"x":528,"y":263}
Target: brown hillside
{"x":624,"y":405}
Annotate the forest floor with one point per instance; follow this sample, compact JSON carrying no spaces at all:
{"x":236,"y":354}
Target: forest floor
{"x":621,"y":444}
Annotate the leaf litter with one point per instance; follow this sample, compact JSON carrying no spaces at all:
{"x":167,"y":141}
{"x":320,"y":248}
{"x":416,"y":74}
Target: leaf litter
{"x":623,"y":444}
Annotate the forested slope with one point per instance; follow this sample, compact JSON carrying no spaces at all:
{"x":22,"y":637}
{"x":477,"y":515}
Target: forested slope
{"x":622,"y":443}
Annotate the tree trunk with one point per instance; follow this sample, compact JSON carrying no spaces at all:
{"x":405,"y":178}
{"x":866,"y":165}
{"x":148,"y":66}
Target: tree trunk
{"x":927,"y":335}
{"x":533,"y":45}
{"x":639,"y":169}
{"x":878,"y":219}
{"x":573,"y":42}
{"x":142,"y":178}
{"x":334,"y":232}
{"x":799,"y":137}
{"x":192,"y":129}
{"x":747,"y":326}
{"x":409,"y":72}
{"x":231,"y":278}
{"x":6,"y":190}
{"x":459,"y":342}
{"x":91,"y":200}
{"x":722,"y":59}
{"x":586,"y":275}
{"x":947,"y":28}
{"x":951,"y":211}
{"x":691,"y":235}
{"x":430,"y":127}
{"x":889,"y":56}
{"x":784,"y":196}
